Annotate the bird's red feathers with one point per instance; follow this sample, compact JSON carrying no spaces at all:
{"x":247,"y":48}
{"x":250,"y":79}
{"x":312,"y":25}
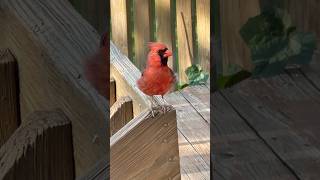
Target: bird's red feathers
{"x":157,"y":78}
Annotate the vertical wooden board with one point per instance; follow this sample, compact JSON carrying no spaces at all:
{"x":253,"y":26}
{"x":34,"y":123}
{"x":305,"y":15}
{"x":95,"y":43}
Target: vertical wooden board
{"x":9,"y":95}
{"x":44,"y":151}
{"x":184,"y":36}
{"x":119,"y":24}
{"x":235,"y":13}
{"x":141,"y":32}
{"x":304,"y":15}
{"x":94,"y":11}
{"x":203,"y":33}
{"x":163,"y":25}
{"x":120,"y":114}
{"x":113,"y":92}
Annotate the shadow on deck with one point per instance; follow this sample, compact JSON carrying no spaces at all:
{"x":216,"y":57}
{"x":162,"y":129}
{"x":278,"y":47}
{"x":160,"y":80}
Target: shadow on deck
{"x":268,"y":128}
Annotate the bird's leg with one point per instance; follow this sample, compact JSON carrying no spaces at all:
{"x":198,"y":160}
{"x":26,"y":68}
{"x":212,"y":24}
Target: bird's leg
{"x":163,"y":107}
{"x":151,"y":105}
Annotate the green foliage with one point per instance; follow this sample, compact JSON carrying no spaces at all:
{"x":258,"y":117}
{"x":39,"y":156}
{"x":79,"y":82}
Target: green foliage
{"x":196,"y":76}
{"x":233,"y":75}
{"x":275,"y":43}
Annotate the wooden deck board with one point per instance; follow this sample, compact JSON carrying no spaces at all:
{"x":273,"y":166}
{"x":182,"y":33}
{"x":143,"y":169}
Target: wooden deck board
{"x":283,"y":111}
{"x":238,"y":152}
{"x":199,"y":98}
{"x":194,"y":134}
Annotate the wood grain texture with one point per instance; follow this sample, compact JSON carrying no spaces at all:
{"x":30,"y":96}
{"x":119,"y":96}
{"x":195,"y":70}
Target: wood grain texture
{"x":233,"y":14}
{"x":141,"y":32}
{"x":184,"y":37}
{"x":203,"y":33}
{"x":113,"y":92}
{"x":9,"y":95}
{"x":304,"y":15}
{"x":120,"y":114}
{"x":199,"y":98}
{"x":154,"y":155}
{"x":163,"y":25}
{"x":126,"y":76}
{"x":51,"y":40}
{"x":194,"y":143}
{"x":237,"y":151}
{"x":41,"y":148}
{"x":284,"y":116}
{"x":119,"y":24}
{"x":94,"y":11}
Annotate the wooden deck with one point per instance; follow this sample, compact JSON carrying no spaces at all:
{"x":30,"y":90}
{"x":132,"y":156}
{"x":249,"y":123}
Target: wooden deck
{"x":268,"y":128}
{"x":192,"y":106}
{"x":193,"y":120}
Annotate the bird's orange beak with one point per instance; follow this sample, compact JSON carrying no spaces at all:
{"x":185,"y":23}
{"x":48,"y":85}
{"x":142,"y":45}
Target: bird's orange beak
{"x":167,"y":53}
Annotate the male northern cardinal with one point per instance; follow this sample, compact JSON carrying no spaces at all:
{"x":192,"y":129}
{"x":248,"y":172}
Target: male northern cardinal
{"x":157,"y":78}
{"x":97,"y":70}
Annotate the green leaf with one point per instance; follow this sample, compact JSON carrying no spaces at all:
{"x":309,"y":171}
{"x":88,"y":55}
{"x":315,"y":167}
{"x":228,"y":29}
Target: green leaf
{"x":196,"y":75}
{"x":228,"y":81}
{"x":275,"y":43}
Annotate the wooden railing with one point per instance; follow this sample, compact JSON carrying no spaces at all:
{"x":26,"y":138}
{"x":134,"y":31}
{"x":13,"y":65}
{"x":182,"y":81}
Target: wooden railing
{"x":41,"y":148}
{"x":183,"y":25}
{"x":50,"y":41}
{"x":144,"y":147}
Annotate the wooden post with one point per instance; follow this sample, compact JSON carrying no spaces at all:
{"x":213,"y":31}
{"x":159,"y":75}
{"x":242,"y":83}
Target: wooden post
{"x":203,"y":33}
{"x":184,"y":36}
{"x":120,"y":114}
{"x":9,"y":95}
{"x":113,"y":91}
{"x":234,"y":14}
{"x":146,"y":148}
{"x":41,"y":148}
{"x":119,"y":24}
{"x":163,"y":25}
{"x":141,"y":32}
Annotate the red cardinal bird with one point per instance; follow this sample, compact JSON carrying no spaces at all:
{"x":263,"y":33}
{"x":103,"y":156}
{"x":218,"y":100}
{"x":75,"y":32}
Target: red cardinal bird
{"x":157,"y":78}
{"x":97,"y":70}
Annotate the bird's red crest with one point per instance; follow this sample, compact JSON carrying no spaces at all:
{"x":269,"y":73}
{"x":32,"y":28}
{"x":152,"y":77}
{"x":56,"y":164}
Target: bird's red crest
{"x":155,"y":46}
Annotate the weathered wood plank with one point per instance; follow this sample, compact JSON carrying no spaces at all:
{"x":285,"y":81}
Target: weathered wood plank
{"x":119,"y":24}
{"x":50,"y":40}
{"x":151,"y":148}
{"x":126,"y":75}
{"x":304,"y":15}
{"x":44,"y":149}
{"x":100,"y":171}
{"x":203,"y":33}
{"x":113,"y":91}
{"x":192,"y":166}
{"x":191,"y":125}
{"x":141,"y":32}
{"x":199,"y":98}
{"x":184,"y":36}
{"x":234,"y":13}
{"x":163,"y":24}
{"x":9,"y":95}
{"x":281,"y":114}
{"x":237,"y":151}
{"x":120,"y":114}
{"x":94,"y":11}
